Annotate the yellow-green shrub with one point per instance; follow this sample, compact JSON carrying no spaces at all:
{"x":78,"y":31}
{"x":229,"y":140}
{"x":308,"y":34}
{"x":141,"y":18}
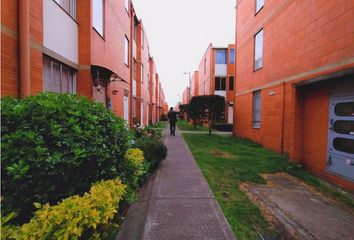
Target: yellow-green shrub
{"x":75,"y":216}
{"x":135,"y":158}
{"x":9,"y":231}
{"x":136,"y":170}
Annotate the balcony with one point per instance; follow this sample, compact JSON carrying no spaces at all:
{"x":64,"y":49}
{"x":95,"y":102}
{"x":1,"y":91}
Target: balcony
{"x":60,"y":31}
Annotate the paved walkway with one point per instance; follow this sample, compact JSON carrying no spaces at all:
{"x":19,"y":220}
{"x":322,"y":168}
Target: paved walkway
{"x":176,"y":203}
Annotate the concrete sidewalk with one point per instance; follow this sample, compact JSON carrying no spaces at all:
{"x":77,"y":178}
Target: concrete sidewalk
{"x":301,"y":210}
{"x":177,"y":202}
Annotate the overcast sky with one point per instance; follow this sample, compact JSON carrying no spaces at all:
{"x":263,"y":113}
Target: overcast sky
{"x":179,"y":32}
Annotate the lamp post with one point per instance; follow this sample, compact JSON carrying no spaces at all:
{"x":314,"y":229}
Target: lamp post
{"x":189,"y":85}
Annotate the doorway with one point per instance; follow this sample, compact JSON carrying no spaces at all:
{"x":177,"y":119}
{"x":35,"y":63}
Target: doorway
{"x":341,"y":137}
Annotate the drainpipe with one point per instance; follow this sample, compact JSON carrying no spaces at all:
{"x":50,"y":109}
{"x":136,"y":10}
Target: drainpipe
{"x":282,"y":120}
{"x":24,"y":47}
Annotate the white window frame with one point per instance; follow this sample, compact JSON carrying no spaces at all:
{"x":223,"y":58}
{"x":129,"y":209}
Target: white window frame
{"x":50,"y":72}
{"x":126,"y":51}
{"x":256,"y":109}
{"x":98,"y":20}
{"x":258,"y":49}
{"x":69,"y":6}
{"x":259,"y":5}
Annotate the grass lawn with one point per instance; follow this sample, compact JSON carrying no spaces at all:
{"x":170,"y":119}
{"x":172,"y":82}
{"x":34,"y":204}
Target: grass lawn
{"x":184,"y":126}
{"x":161,"y":124}
{"x":228,"y":161}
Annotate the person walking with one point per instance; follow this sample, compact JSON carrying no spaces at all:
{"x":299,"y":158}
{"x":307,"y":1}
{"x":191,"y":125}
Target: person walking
{"x":172,"y":118}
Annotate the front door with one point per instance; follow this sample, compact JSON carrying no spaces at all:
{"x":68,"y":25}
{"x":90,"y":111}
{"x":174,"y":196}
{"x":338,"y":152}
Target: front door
{"x":231,"y":113}
{"x":341,"y":137}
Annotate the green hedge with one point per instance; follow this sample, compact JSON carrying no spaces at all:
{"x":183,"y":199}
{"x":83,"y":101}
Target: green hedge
{"x":154,"y":150}
{"x":223,"y":127}
{"x":55,"y":146}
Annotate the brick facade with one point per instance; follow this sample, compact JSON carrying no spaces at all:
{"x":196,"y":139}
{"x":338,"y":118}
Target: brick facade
{"x":303,"y":41}
{"x":100,"y":56}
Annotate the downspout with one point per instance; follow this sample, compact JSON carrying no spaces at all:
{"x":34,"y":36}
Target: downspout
{"x":24,"y":48}
{"x":282,"y":119}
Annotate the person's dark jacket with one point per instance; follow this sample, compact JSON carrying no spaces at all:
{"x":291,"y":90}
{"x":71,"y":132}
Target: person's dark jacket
{"x":172,"y":116}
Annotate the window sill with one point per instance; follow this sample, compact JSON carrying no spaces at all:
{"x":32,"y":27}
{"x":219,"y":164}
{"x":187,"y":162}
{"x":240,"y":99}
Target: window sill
{"x":258,"y":69}
{"x":256,"y":127}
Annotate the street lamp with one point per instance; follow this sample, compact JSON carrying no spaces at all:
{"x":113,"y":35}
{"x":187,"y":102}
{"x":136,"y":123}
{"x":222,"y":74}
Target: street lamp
{"x":189,"y":84}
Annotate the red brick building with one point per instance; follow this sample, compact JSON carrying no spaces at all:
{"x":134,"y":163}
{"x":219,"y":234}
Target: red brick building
{"x":152,"y":91}
{"x":194,"y":84}
{"x":295,"y":82}
{"x":85,"y":47}
{"x":141,"y":73}
{"x":216,"y":75}
{"x":186,"y":96}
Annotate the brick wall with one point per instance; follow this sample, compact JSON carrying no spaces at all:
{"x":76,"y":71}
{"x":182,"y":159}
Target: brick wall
{"x":302,"y":40}
{"x":204,"y":74}
{"x":10,"y":47}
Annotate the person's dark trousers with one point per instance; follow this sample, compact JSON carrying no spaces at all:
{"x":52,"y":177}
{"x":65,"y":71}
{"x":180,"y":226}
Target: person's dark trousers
{"x":172,"y":128}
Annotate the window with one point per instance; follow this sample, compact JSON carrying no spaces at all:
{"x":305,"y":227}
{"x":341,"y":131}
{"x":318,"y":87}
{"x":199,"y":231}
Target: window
{"x":258,"y":50}
{"x":220,"y":84}
{"x":134,"y":107}
{"x":344,"y":109}
{"x":142,"y":73}
{"x":69,"y":6}
{"x":232,"y":56}
{"x":257,"y":105}
{"x":259,"y":5}
{"x":98,"y":16}
{"x":231,"y":83}
{"x":204,"y":65}
{"x":220,"y":56}
{"x":134,"y":69}
{"x":344,"y":145}
{"x":58,"y":77}
{"x":142,"y":38}
{"x":126,"y":51}
{"x":344,"y":127}
{"x":126,"y":5}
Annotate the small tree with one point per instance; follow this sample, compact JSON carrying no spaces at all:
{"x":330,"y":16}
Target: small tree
{"x":183,"y":111}
{"x":194,"y":112}
{"x":208,"y":108}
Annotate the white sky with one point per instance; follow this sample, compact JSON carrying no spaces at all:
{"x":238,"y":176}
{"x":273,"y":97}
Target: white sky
{"x":179,"y":32}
